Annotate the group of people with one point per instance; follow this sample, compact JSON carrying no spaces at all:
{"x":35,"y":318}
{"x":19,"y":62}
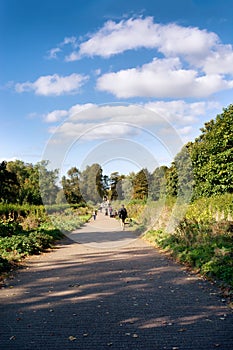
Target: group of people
{"x":122,"y":214}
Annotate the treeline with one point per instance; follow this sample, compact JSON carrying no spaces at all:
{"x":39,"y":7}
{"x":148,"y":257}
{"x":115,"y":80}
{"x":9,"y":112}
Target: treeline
{"x":202,"y":168}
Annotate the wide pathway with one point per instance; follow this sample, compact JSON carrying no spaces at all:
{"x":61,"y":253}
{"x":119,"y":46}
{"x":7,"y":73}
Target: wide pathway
{"x":103,"y":288}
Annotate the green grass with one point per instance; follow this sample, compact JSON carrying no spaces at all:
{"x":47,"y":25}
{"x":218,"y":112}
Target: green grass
{"x":198,"y":247}
{"x":34,"y":234}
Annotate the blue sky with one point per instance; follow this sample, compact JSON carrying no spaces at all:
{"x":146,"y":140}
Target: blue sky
{"x":121,"y":83}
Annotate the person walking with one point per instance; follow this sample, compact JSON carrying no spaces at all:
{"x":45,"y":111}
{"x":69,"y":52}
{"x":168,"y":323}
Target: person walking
{"x":122,"y":213}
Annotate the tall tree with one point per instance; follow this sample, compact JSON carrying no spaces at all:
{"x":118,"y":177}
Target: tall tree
{"x":172,"y":181}
{"x":158,"y":183}
{"x":127,"y":186}
{"x":92,"y":183}
{"x":115,"y":184}
{"x":185,"y":177}
{"x":141,"y":185}
{"x":212,"y":156}
{"x":9,"y":185}
{"x":71,"y":186}
{"x":47,"y":182}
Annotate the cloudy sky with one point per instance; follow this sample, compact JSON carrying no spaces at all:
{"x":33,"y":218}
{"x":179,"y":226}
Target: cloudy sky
{"x":121,"y":83}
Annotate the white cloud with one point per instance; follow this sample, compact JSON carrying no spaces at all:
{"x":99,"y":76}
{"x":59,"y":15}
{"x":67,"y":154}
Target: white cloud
{"x":180,"y":112}
{"x":115,"y":38}
{"x":186,"y":41}
{"x":161,"y":78}
{"x":53,"y":85}
{"x":73,"y":112}
{"x":195,"y":62}
{"x":171,"y":39}
{"x":55,"y":116}
{"x":93,"y":122}
{"x":69,"y":41}
{"x":52,"y":54}
{"x":219,"y":61}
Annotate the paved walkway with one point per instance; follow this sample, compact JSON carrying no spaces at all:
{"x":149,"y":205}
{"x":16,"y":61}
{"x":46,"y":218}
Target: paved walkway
{"x":110,"y":291}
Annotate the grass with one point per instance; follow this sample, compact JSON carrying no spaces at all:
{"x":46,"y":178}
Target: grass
{"x":34,"y":234}
{"x":199,"y":247}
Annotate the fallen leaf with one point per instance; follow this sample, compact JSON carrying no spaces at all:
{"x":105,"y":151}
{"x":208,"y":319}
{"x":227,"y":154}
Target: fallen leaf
{"x":72,"y":338}
{"x":182,"y":330}
{"x":135,"y":335}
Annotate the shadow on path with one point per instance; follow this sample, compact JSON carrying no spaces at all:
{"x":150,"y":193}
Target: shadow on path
{"x":78,"y":297}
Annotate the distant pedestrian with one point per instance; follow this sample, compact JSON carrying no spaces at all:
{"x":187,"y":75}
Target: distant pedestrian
{"x":94,"y":214}
{"x":122,"y":213}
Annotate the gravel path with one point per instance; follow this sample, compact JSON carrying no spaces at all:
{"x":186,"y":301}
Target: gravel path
{"x":103,"y":288}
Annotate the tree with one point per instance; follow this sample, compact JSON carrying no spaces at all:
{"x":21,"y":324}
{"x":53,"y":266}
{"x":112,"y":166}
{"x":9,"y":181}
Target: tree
{"x":211,"y":155}
{"x":185,"y":180}
{"x":47,"y":182}
{"x":71,"y":186}
{"x":158,"y":183}
{"x":127,"y":186}
{"x":9,"y":185}
{"x":92,"y":184}
{"x":172,"y":181}
{"x":141,"y":185}
{"x":115,"y":184}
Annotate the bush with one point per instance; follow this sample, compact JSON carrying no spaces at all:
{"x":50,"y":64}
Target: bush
{"x":9,"y":227}
{"x":195,"y":245}
{"x":4,"y":265}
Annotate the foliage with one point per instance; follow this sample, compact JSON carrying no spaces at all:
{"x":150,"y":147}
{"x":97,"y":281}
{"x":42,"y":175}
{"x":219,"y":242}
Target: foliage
{"x":196,"y":246}
{"x":25,"y":232}
{"x":33,"y":183}
{"x":158,"y":183}
{"x":71,"y":186}
{"x":209,"y":209}
{"x":92,"y":183}
{"x":211,"y":155}
{"x":69,"y":221}
{"x":115,"y":186}
{"x":9,"y":184}
{"x":141,"y":185}
{"x":4,"y":265}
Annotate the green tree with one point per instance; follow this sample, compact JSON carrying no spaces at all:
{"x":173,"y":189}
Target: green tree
{"x":71,"y":186}
{"x":9,"y":185}
{"x":48,"y":189}
{"x":185,"y":179}
{"x":172,"y":181}
{"x":141,"y":185}
{"x":115,"y":185}
{"x":212,"y":156}
{"x":92,"y":183}
{"x":127,"y":186}
{"x":158,"y":183}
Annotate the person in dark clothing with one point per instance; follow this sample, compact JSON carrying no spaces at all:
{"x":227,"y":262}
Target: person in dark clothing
{"x":122,"y":213}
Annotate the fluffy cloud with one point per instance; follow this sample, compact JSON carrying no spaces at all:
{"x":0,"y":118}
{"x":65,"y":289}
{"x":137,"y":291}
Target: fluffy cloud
{"x":115,"y":38}
{"x":161,"y":78}
{"x":171,"y":39}
{"x":73,"y":112}
{"x":92,"y":122}
{"x":219,"y":61}
{"x":53,"y":85}
{"x":182,"y":113}
{"x":55,"y":116}
{"x":189,"y":62}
